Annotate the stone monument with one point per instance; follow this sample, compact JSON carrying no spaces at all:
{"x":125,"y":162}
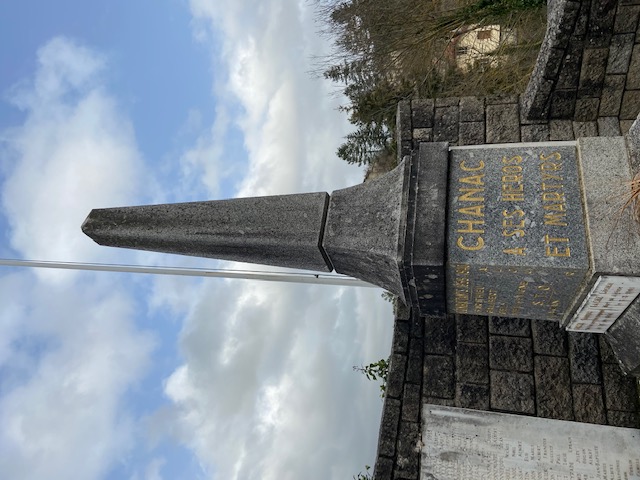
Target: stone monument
{"x":514,"y":230}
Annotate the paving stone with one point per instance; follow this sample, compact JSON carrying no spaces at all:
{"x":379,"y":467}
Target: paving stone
{"x":519,"y":327}
{"x":440,"y":335}
{"x":548,"y":338}
{"x":588,"y":404}
{"x":395,"y":377}
{"x":534,"y":133}
{"x":553,"y":388}
{"x":411,"y":403}
{"x":389,"y":427}
{"x":414,"y":361}
{"x":512,"y":392}
{"x":585,"y":129}
{"x":510,"y":353}
{"x":422,"y":135}
{"x":471,"y":329}
{"x":446,"y":125}
{"x":471,"y":133}
{"x":623,"y":419}
{"x":611,"y":97}
{"x":503,"y":123}
{"x":383,"y":469}
{"x":472,"y":363}
{"x":630,"y":105}
{"x":584,"y":357}
{"x":447,"y":102}
{"x":569,"y":75}
{"x":560,"y":130}
{"x":403,"y":121}
{"x":625,"y":125}
{"x":586,"y":109}
{"x":422,"y":112}
{"x":472,"y":109}
{"x":439,"y":378}
{"x":602,"y":16}
{"x":592,"y":71}
{"x":444,"y":402}
{"x":400,"y":337}
{"x":609,"y":127}
{"x":606,"y":353}
{"x":408,"y":459}
{"x":563,"y":104}
{"x":620,"y":53}
{"x":472,"y":396}
{"x":620,"y":392}
{"x":626,"y":19}
{"x":633,"y":74}
{"x":535,"y":101}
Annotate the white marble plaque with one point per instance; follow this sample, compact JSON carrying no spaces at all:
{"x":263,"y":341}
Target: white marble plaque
{"x":609,"y":298}
{"x":463,"y":444}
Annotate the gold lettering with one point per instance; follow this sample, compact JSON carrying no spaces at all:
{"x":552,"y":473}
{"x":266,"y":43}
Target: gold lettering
{"x":553,"y":197}
{"x":556,"y":207}
{"x":554,"y":251}
{"x":473,"y":179}
{"x":555,"y":155}
{"x":467,"y":197}
{"x":464,"y":167}
{"x":513,"y":160}
{"x":555,"y":219}
{"x":475,"y":210}
{"x":515,"y":251}
{"x":470,"y":226}
{"x":478,"y":246}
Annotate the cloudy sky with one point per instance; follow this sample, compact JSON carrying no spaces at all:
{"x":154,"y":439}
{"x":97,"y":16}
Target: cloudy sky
{"x":121,"y":376}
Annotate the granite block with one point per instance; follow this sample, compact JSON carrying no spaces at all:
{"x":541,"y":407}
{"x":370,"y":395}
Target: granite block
{"x":609,"y":127}
{"x":626,"y":19}
{"x":472,"y":396}
{"x":563,"y":104}
{"x":586,"y":109}
{"x":422,"y":135}
{"x":395,"y":377}
{"x":620,"y":53}
{"x":588,"y":404}
{"x":471,"y":329}
{"x":630,"y":106}
{"x":535,"y":101}
{"x":517,"y":327}
{"x":472,"y":109}
{"x":502,"y":99}
{"x":611,"y":97}
{"x":624,"y":339}
{"x":411,"y":403}
{"x":569,"y":75}
{"x":446,"y":125}
{"x":561,"y":130}
{"x":592,"y":71}
{"x":440,"y":335}
{"x":471,"y":133}
{"x":584,"y":357}
{"x":400,"y":337}
{"x":414,"y":361}
{"x":503,"y":124}
{"x":620,"y":392}
{"x":389,"y":426}
{"x":623,"y":419}
{"x":585,"y":129}
{"x":439,"y":378}
{"x":383,"y":469}
{"x":534,"y":133}
{"x":447,"y":102}
{"x":403,"y":121}
{"x":513,"y":392}
{"x":422,"y":112}
{"x":408,"y":456}
{"x":606,"y":354}
{"x":625,"y":125}
{"x":548,"y":338}
{"x":633,"y":74}
{"x":472,"y":363}
{"x":510,"y":353}
{"x":553,"y":388}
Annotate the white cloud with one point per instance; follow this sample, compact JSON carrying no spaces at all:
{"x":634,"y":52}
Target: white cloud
{"x":75,"y":151}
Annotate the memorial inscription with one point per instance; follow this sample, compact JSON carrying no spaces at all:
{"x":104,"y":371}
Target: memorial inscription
{"x":516,"y":241}
{"x":470,"y":444}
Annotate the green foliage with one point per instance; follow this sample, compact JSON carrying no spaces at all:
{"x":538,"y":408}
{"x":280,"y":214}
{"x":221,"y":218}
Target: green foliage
{"x":376,"y":371}
{"x":364,"y":476}
{"x":391,"y":50}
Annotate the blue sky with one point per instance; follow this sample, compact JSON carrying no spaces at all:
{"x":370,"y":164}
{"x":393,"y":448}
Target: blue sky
{"x":112,"y":376}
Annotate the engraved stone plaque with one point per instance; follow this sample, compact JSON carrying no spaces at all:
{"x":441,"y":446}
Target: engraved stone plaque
{"x":516,"y":237}
{"x":463,"y":444}
{"x":609,"y":298}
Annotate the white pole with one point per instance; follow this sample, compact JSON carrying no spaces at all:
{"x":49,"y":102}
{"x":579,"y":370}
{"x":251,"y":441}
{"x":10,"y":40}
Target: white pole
{"x":314,"y":278}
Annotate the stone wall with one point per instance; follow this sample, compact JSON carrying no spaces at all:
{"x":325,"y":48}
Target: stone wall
{"x":589,"y":62}
{"x":520,"y":366}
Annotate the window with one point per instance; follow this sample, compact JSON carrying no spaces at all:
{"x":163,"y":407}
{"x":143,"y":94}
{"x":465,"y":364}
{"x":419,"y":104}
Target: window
{"x":462,"y":50}
{"x":484,"y":35}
